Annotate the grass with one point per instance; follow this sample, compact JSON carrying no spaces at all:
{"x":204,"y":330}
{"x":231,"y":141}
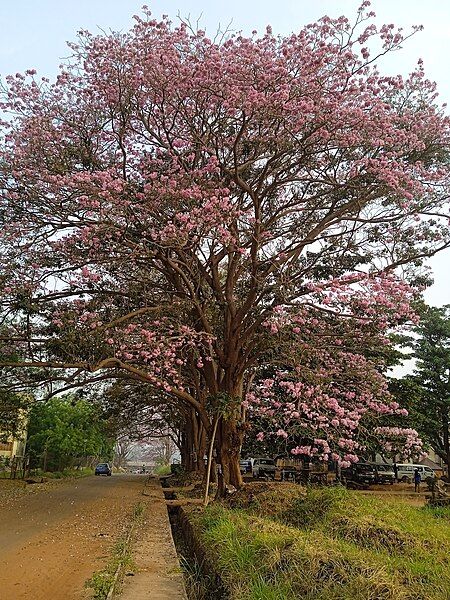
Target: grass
{"x":200,"y":585}
{"x":440,"y":512}
{"x":101,"y":581}
{"x":162,"y":470}
{"x":65,"y":474}
{"x":328,"y":544}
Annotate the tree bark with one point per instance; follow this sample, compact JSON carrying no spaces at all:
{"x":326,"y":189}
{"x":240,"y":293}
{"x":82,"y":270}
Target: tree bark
{"x":228,"y":445}
{"x":193,"y":444}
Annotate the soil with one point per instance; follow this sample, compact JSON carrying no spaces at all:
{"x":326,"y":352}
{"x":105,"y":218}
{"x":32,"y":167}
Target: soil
{"x":53,"y":536}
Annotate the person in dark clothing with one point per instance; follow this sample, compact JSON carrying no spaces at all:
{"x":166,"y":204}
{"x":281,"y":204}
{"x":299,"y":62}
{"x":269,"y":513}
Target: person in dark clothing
{"x":396,"y":472}
{"x":417,"y":480}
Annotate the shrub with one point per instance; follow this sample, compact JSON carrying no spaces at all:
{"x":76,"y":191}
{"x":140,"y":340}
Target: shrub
{"x":162,"y":470}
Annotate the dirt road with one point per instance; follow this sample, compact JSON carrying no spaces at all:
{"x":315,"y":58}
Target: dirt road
{"x":53,"y":539}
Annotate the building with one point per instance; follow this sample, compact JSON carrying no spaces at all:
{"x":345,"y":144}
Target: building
{"x":13,"y":447}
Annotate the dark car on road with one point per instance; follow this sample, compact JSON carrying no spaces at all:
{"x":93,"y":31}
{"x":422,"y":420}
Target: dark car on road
{"x":103,"y":469}
{"x":360,"y":473}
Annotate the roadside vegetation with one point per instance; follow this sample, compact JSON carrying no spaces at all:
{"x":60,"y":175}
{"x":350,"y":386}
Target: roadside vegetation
{"x":120,"y":560}
{"x":162,"y":470}
{"x":326,"y":544}
{"x":65,"y":474}
{"x":63,"y":432}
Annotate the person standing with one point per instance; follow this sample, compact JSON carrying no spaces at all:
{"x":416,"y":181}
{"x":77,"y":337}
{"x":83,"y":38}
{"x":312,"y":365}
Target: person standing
{"x":417,"y":480}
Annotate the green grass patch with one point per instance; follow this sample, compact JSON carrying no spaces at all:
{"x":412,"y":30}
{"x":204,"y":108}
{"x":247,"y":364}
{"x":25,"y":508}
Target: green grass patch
{"x":101,"y":581}
{"x":439,"y":512}
{"x":162,"y":470}
{"x":327,"y":544}
{"x":66,"y":473}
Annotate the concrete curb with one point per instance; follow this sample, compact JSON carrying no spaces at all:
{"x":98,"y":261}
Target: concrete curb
{"x":158,"y":575}
{"x":125,"y":548}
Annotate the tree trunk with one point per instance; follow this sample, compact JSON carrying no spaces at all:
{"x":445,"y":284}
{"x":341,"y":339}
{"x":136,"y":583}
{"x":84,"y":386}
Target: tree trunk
{"x":228,"y":445}
{"x":193,"y":444}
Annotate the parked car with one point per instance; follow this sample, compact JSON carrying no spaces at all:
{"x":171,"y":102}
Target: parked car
{"x":384,"y":473}
{"x":360,"y":473}
{"x":264,"y":467}
{"x":103,"y":469}
{"x":406,"y":472}
{"x":245,"y":466}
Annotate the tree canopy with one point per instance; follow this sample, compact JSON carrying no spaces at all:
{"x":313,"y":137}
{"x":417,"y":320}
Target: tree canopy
{"x":183,"y":212}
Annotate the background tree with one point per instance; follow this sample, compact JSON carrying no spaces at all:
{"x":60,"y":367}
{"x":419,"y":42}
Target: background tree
{"x":141,"y":413}
{"x":161,"y":450}
{"x":179,"y":211}
{"x":66,"y":429}
{"x":426,"y":392}
{"x":123,"y":449}
{"x":13,"y":409}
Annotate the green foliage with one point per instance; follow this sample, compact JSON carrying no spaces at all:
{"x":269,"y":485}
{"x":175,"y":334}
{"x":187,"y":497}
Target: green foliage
{"x":224,"y":405}
{"x":162,"y":469}
{"x":65,"y":474}
{"x":12,"y":407}
{"x":426,"y":393}
{"x":66,"y":429}
{"x":100,"y":583}
{"x":330,"y":544}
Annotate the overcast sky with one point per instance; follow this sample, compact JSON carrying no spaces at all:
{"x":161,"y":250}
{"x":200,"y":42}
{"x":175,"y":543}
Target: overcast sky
{"x":34,"y":35}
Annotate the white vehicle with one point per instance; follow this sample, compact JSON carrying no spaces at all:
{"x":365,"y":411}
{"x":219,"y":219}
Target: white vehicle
{"x":406,"y":472}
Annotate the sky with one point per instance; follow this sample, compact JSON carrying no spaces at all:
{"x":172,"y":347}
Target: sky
{"x":34,"y":35}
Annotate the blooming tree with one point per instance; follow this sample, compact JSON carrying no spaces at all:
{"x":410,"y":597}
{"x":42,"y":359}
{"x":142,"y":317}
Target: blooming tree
{"x":334,"y":411}
{"x":181,"y":212}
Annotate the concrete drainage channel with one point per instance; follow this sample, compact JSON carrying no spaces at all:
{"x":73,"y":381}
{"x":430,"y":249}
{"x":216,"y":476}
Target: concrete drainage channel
{"x":201,"y":582}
